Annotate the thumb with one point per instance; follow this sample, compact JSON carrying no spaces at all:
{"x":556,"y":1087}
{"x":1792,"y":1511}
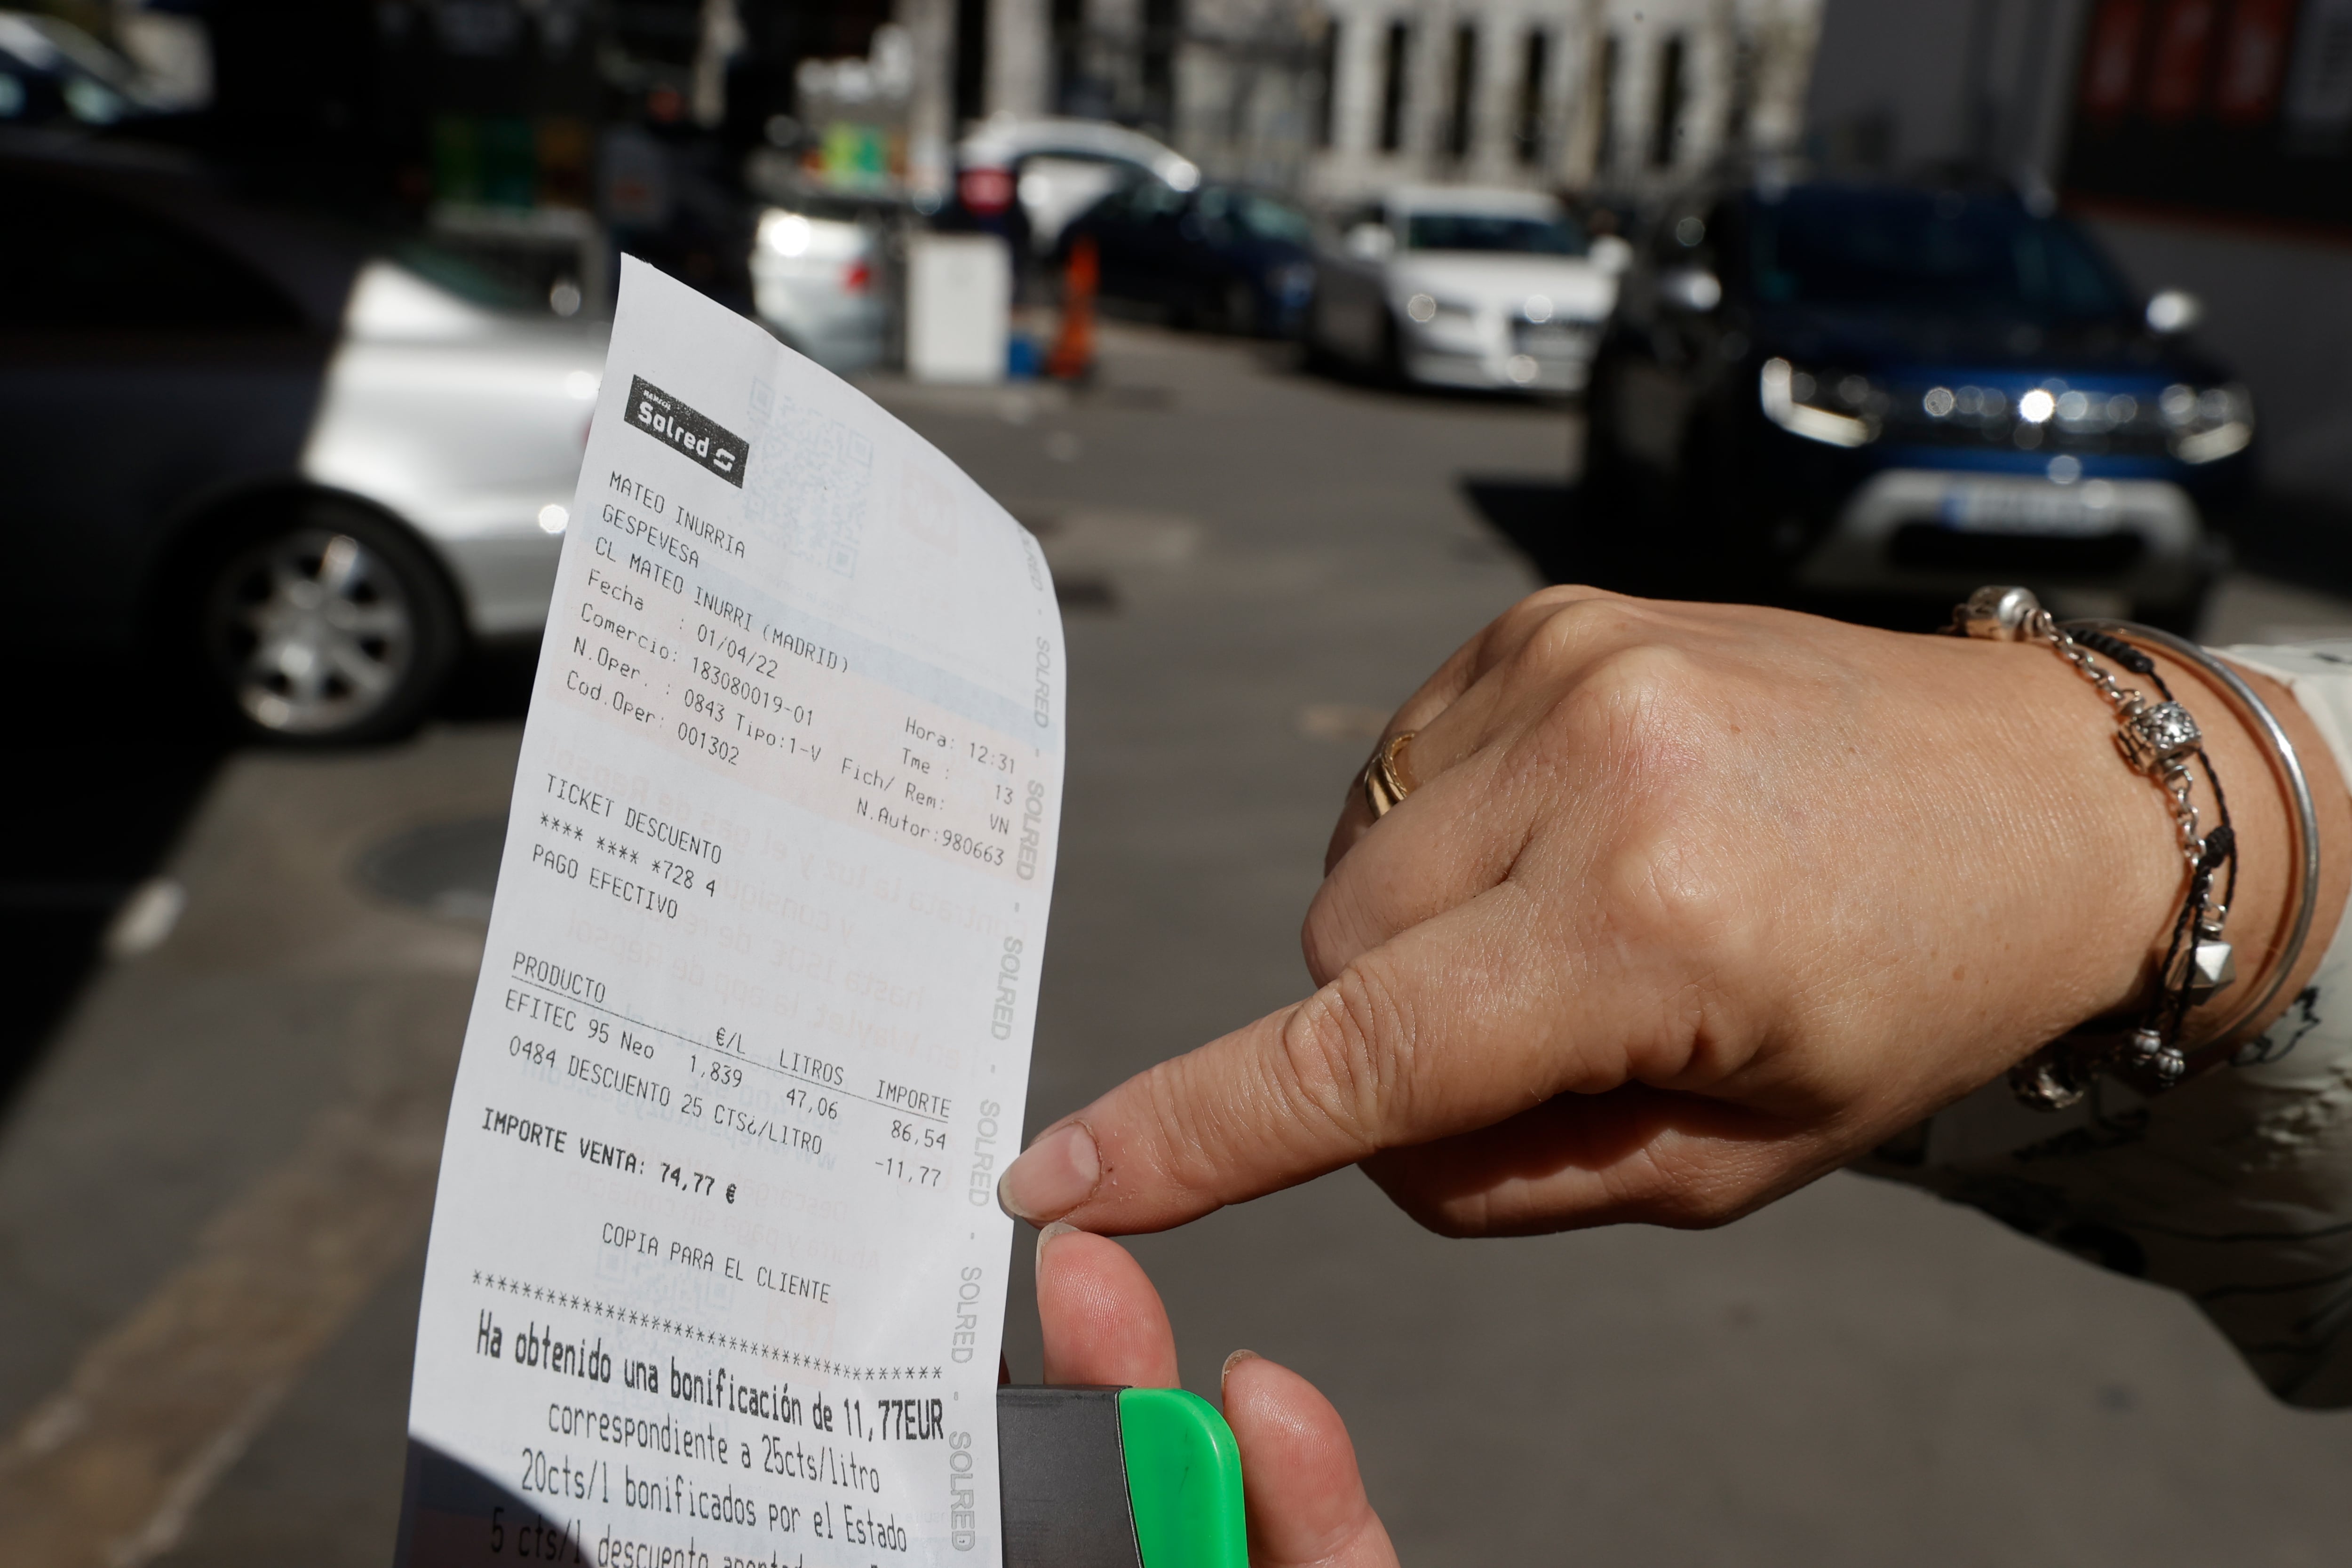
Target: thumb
{"x":1436,"y":1031}
{"x":1299,"y":1481}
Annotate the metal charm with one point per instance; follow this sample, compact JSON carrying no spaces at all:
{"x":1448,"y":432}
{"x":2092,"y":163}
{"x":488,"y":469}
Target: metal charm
{"x":2148,"y":1055}
{"x":2049,"y":1079}
{"x":1997,"y":615}
{"x":2210,"y":965}
{"x":2157,"y":734}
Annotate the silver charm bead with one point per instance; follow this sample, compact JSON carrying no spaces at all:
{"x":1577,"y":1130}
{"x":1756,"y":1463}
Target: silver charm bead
{"x":2156,"y":735}
{"x":1996,"y":613}
{"x":2212,"y":966}
{"x":2164,"y":1065}
{"x":2049,"y":1079}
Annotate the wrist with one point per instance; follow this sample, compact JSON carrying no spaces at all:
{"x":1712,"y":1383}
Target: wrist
{"x":2273,"y":884}
{"x":2123,"y":875}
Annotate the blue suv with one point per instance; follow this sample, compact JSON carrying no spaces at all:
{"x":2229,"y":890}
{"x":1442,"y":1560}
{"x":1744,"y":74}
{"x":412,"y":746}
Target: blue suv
{"x":1916,"y":389}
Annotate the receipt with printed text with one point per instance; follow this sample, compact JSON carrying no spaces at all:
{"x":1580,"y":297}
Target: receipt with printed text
{"x":717,"y":1272}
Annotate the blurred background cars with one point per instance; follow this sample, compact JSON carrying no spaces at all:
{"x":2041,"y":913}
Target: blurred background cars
{"x":303,"y":473}
{"x":1222,"y":256}
{"x":1914,"y":388}
{"x":816,"y":281}
{"x":1464,"y":287}
{"x":1026,"y":178}
{"x":51,"y":71}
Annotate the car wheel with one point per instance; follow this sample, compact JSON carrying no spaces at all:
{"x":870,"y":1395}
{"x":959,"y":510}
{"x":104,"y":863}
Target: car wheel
{"x":1603,"y":473}
{"x":1240,"y":309}
{"x":1315,"y":344}
{"x":324,"y":625}
{"x":1390,"y":365}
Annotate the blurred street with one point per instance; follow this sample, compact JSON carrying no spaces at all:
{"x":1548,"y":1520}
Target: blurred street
{"x":216,"y":1170}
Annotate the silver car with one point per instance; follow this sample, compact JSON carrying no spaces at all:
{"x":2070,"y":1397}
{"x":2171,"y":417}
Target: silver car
{"x":301,"y":476}
{"x":1467,"y":288}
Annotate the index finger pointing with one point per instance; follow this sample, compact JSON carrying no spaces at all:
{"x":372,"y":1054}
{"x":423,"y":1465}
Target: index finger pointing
{"x":1440,"y":1029}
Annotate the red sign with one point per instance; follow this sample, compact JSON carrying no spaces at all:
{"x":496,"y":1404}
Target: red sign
{"x":2111,"y":63}
{"x":2253,"y":62}
{"x":2184,"y":42}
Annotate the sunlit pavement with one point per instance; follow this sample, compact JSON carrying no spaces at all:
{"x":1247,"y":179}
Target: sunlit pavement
{"x":215,"y":1184}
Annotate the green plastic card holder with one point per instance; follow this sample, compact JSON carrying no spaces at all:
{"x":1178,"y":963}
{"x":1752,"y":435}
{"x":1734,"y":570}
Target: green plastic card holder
{"x":1118,"y":1478}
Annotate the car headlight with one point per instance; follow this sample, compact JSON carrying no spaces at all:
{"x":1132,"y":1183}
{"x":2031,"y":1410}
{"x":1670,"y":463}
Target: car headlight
{"x":1844,"y":410}
{"x":786,"y":234}
{"x":2205,"y":425}
{"x":1428,"y":310}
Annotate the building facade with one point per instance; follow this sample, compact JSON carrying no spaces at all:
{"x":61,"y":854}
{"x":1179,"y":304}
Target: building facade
{"x":1338,"y":98}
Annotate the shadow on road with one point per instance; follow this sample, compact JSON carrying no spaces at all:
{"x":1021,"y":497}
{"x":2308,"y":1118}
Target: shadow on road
{"x":1568,"y":536}
{"x":101,"y":791}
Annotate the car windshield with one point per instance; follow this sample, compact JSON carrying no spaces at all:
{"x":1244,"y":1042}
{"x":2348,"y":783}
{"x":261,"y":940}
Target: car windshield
{"x":469,"y":280}
{"x":1555,"y":235}
{"x":1929,"y":250}
{"x":1267,"y":218}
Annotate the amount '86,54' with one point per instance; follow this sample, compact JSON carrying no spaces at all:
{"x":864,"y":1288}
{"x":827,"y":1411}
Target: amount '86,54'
{"x":920,"y":1137}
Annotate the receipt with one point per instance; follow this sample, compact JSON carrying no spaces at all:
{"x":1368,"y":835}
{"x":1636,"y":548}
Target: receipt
{"x":717,"y":1272}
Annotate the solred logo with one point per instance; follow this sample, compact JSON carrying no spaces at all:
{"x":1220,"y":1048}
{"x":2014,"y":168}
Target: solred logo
{"x":679,"y":428}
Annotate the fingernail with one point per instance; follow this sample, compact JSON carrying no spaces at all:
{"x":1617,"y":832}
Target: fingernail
{"x":1058,"y":1227}
{"x":1231,"y":1362}
{"x":1057,"y":1174}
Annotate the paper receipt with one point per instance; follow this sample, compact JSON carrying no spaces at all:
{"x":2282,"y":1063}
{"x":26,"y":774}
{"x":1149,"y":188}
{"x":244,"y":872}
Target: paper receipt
{"x":717,"y":1272}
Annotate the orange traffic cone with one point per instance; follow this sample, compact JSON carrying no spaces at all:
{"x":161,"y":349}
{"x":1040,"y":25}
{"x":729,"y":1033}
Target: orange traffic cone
{"x":1072,"y":358}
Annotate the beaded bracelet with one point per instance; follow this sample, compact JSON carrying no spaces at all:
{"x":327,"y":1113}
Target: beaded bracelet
{"x":2303,"y":821}
{"x":2157,"y":739}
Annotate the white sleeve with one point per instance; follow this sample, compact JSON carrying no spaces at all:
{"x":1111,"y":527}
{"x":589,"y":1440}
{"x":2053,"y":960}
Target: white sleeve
{"x":2234,"y":1189}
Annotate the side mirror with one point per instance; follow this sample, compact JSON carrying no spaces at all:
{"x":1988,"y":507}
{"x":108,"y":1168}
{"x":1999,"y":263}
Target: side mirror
{"x":1693,"y":291}
{"x":1371,"y":241}
{"x":1611,"y":254}
{"x":2174,"y":310}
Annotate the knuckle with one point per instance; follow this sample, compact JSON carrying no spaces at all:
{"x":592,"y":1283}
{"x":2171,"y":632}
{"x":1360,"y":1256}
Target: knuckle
{"x":1327,"y":938}
{"x":1643,"y":692}
{"x":1532,"y":616}
{"x":1336,"y":1060}
{"x":1667,"y":893}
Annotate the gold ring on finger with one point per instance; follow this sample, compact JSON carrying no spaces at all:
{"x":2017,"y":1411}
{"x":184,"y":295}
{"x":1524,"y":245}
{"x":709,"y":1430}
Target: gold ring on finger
{"x":1383,"y":784}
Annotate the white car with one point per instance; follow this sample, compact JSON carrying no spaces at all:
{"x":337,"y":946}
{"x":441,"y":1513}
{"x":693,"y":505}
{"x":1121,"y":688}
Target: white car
{"x":1056,"y":169}
{"x":1461,"y":287}
{"x":298,"y":475}
{"x":814,"y":284}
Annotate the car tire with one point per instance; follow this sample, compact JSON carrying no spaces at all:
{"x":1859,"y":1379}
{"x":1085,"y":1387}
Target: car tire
{"x":321,"y":623}
{"x":1391,"y":367}
{"x":1314,"y":349}
{"x":1238,"y":310}
{"x":1604,"y":475}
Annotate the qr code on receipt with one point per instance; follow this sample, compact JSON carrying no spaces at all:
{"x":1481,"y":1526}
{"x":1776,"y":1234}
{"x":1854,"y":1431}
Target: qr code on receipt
{"x":808,"y":489}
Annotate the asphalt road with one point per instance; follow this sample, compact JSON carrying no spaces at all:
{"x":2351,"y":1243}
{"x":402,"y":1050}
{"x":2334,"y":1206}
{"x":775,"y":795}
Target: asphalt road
{"x":215,"y":1171}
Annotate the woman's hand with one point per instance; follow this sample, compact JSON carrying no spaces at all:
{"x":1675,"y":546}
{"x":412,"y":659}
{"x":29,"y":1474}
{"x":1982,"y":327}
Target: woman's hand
{"x":1103,"y":1324}
{"x":1689,"y":905}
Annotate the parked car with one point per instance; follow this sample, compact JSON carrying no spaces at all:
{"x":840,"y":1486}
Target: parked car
{"x":1917,"y":388}
{"x":52,"y":72}
{"x":814,"y":284}
{"x":1461,"y":287}
{"x":303,"y":472}
{"x":1026,"y":178}
{"x":1222,"y":256}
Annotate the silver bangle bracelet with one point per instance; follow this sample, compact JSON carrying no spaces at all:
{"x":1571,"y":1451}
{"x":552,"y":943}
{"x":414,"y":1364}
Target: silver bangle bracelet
{"x":2257,"y":714}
